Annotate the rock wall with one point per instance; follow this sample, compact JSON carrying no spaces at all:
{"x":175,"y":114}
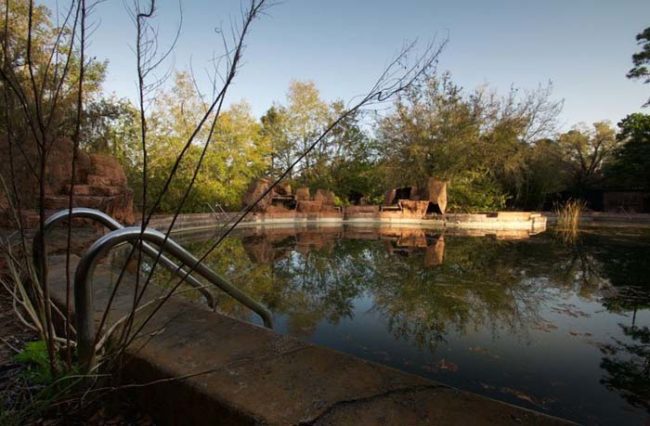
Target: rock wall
{"x":434,"y":194}
{"x":100,"y":183}
{"x":283,"y":203}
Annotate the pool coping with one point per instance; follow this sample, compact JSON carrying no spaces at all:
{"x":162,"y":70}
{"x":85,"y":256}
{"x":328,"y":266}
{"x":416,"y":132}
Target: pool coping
{"x":252,"y":375}
{"x":530,"y":222}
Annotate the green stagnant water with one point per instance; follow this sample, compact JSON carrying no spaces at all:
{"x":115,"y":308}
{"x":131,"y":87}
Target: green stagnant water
{"x":557,"y":326}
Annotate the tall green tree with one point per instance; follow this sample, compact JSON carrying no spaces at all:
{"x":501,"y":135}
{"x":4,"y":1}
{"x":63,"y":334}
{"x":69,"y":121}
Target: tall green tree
{"x":111,"y":127}
{"x":307,"y":116}
{"x":588,"y":151}
{"x":274,"y":129}
{"x":238,"y":151}
{"x":476,"y":140}
{"x":630,"y":168}
{"x":641,"y":59}
{"x":346,"y":161}
{"x":353,"y":162}
{"x":48,"y":76}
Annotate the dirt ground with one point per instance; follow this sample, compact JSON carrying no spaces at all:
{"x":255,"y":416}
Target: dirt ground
{"x":13,"y":336}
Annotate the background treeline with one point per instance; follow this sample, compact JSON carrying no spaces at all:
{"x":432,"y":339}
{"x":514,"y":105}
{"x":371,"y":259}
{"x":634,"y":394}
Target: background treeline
{"x":497,"y":151}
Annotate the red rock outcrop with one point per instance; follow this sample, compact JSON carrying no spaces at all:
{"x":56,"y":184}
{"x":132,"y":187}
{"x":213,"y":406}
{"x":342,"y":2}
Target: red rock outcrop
{"x":255,"y":191}
{"x":282,"y":203}
{"x":436,"y":193}
{"x":412,"y":209}
{"x":389,"y":198}
{"x":100,"y":182}
{"x":303,"y":194}
{"x":309,"y":206}
{"x":399,"y":202}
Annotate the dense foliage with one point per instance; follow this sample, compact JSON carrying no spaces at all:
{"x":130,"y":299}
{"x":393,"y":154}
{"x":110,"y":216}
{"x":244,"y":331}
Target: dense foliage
{"x":641,"y":59}
{"x":496,"y":152}
{"x":630,"y":168}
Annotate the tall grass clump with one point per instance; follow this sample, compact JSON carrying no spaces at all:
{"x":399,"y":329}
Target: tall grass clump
{"x":568,"y":218}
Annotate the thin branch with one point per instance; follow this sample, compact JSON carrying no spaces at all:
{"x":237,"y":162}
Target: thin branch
{"x":386,"y":86}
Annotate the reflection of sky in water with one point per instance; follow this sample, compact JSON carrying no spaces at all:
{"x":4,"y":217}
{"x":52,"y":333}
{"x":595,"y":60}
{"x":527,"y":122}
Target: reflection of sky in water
{"x":521,"y":321}
{"x":555,"y":371}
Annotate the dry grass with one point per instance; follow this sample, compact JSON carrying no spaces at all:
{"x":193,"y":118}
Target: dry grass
{"x":568,"y":218}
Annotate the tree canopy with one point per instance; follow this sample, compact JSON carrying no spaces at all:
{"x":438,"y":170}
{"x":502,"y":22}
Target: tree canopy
{"x":476,"y":140}
{"x":641,"y":60}
{"x":239,"y":150}
{"x":630,"y":168}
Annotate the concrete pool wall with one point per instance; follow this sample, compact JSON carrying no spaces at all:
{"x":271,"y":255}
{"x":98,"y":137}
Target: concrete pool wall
{"x":529,"y":222}
{"x":195,"y":366}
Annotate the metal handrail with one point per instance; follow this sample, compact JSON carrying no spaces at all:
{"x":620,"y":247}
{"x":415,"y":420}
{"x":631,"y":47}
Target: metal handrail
{"x":83,"y":294}
{"x":216,"y":204}
{"x":108,"y":221}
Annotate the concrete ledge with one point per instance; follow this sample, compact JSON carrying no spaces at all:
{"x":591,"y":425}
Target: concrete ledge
{"x":502,"y":221}
{"x":200,"y":367}
{"x":608,"y":220}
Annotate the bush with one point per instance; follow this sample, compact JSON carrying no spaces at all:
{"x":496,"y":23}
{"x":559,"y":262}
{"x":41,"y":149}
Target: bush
{"x":474,"y":192}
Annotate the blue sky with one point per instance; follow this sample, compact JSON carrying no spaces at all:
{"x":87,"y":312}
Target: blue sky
{"x":583,"y":47}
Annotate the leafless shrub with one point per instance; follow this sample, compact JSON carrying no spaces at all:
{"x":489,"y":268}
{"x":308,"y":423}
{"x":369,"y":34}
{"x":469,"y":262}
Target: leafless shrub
{"x":34,"y":100}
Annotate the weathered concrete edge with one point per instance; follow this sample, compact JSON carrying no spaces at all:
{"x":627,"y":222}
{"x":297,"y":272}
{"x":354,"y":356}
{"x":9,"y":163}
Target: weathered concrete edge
{"x":466,"y":222}
{"x":252,"y":375}
{"x":317,"y":380}
{"x":607,"y":220}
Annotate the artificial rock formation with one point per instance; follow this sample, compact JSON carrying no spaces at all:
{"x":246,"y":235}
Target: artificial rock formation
{"x":255,"y":190}
{"x":282,"y":202}
{"x":411,"y":199}
{"x":436,"y":193}
{"x":100,"y":183}
{"x":322,"y":202}
{"x":410,"y":203}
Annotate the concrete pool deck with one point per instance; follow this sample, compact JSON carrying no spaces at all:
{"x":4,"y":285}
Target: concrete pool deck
{"x":195,"y":366}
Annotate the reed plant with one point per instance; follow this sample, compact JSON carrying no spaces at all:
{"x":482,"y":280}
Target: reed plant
{"x":568,"y":218}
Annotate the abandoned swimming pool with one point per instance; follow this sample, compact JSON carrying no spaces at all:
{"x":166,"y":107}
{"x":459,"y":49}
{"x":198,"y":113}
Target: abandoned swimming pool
{"x":559,"y":327}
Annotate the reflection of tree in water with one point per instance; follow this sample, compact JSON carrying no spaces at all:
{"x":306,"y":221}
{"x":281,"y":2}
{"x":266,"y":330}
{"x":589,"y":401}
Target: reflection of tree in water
{"x":624,"y":261}
{"x":308,"y":284}
{"x":320,"y":284}
{"x":482,"y":283}
{"x":478,"y":286}
{"x":627,"y":366}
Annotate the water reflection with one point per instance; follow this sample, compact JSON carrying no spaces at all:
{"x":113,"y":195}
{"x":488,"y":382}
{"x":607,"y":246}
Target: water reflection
{"x":552,"y":325}
{"x":627,"y":365}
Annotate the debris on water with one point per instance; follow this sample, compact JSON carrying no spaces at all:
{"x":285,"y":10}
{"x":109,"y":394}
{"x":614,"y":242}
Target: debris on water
{"x":545,"y":326}
{"x":483,"y":351}
{"x":522,"y":395}
{"x":578,"y":334}
{"x":445,"y":365}
{"x":570,"y":310}
{"x":441,"y":366}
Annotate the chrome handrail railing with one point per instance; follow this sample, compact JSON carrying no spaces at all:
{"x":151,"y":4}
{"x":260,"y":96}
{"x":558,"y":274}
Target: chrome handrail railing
{"x":83,"y":294}
{"x":218,"y":205}
{"x":112,"y":224}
